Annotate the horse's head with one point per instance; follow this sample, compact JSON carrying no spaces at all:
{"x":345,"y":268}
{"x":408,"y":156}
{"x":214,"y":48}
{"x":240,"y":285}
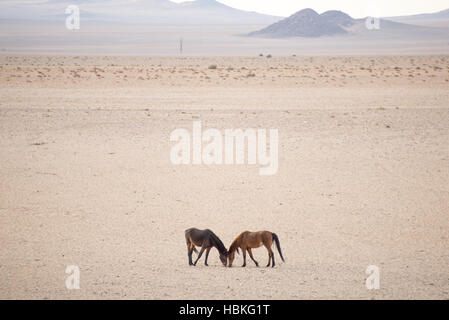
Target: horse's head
{"x":224,"y":257}
{"x":231,"y":256}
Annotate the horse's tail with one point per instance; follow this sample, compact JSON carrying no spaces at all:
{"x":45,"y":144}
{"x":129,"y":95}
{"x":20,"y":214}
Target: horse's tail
{"x":278,"y":244}
{"x":188,"y":242}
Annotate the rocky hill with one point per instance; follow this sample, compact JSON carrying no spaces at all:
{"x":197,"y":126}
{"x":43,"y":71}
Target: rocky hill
{"x":308,"y":23}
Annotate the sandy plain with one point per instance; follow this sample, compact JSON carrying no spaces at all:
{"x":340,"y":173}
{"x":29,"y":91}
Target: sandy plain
{"x":86,"y":177}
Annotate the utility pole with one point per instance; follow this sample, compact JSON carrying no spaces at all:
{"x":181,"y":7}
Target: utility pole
{"x":180,"y":46}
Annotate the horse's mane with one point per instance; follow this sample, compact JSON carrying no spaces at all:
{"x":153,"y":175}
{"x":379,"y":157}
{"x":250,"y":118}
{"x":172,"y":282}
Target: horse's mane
{"x":234,"y":245}
{"x":220,"y":245}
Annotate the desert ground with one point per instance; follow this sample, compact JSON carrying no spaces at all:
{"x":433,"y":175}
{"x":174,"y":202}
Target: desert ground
{"x":86,"y":177}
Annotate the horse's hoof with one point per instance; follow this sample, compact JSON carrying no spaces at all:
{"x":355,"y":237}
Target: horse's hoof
{"x":257,"y":265}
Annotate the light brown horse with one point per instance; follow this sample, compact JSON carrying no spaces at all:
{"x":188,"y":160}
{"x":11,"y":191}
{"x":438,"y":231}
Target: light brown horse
{"x":251,"y":240}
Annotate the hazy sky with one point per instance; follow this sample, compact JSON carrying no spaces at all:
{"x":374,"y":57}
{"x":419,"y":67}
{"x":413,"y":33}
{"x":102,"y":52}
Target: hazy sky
{"x":356,"y":8}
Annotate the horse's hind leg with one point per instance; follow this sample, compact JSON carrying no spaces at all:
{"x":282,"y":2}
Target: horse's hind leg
{"x":207,"y":256}
{"x":272,"y":259}
{"x":189,"y":251}
{"x":270,"y":252}
{"x":251,"y":256}
{"x":269,"y":258}
{"x":190,"y":248}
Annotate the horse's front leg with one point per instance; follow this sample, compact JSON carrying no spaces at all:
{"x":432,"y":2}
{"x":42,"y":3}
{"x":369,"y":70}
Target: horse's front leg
{"x":251,"y":256}
{"x":200,"y":254}
{"x":207,"y":256}
{"x":244,"y":257}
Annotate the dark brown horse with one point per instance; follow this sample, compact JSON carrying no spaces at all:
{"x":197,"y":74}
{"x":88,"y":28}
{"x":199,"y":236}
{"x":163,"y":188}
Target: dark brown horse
{"x":251,"y":240}
{"x":205,"y":239}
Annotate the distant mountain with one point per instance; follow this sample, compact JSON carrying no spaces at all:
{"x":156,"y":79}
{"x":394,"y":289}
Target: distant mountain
{"x":308,"y":23}
{"x":159,"y":12}
{"x":204,"y":4}
{"x":437,"y":19}
{"x":337,"y":17}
